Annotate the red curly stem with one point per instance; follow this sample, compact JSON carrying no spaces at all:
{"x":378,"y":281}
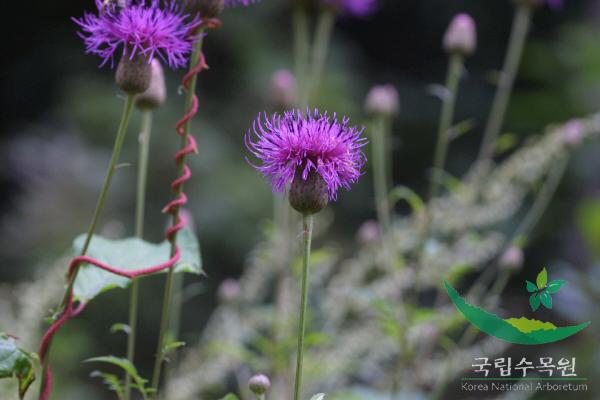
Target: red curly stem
{"x":172,"y":208}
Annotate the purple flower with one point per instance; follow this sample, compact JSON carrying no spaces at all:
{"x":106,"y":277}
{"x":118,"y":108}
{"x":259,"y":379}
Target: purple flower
{"x":357,"y":8}
{"x":301,"y":143}
{"x":140,"y":28}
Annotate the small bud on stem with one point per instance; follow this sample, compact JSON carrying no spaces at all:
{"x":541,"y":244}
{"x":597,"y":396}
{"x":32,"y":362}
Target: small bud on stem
{"x":282,"y":90}
{"x":461,"y":36}
{"x":156,"y":94}
{"x":259,"y":384}
{"x":383,"y":100}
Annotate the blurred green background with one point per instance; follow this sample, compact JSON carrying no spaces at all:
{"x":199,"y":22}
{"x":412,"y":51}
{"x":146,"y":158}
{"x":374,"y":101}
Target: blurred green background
{"x":59,"y":112}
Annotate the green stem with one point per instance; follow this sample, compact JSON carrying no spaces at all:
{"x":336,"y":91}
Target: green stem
{"x":446,"y":119}
{"x":307,"y":225}
{"x":168,"y":294}
{"x":301,"y":53}
{"x":324,"y":30}
{"x":140,"y":203}
{"x":506,"y":81}
{"x":380,"y":140}
{"x":116,"y":153}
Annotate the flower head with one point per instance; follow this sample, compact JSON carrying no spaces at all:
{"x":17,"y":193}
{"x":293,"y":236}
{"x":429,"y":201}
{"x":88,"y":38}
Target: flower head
{"x":383,"y":100}
{"x":461,"y":36}
{"x":357,"y":8}
{"x":296,"y":145}
{"x":139,"y":28}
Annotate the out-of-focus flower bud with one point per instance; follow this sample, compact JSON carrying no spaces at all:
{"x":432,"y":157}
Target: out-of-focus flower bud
{"x":368,"y":232}
{"x":512,"y":259}
{"x":133,"y":75}
{"x":573,"y":133}
{"x":461,"y":36}
{"x":156,"y":94}
{"x":229,"y":291}
{"x":282,"y":89}
{"x":259,"y":384}
{"x":383,"y":100}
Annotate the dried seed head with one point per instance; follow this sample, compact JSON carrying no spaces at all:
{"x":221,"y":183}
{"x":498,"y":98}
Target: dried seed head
{"x":229,"y":291}
{"x":282,"y":90}
{"x":308,"y":196}
{"x":134,"y":74}
{"x":461,"y":36}
{"x":383,"y":100}
{"x":206,"y":8}
{"x":512,"y":259}
{"x":156,"y":94}
{"x":259,"y":384}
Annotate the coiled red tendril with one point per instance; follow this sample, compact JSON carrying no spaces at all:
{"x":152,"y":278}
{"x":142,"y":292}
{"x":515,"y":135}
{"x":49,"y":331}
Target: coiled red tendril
{"x":171,"y":208}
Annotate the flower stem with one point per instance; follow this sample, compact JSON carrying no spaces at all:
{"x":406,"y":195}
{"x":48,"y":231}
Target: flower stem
{"x":447,"y":116}
{"x":506,"y":82}
{"x":301,"y":53}
{"x":116,"y":153}
{"x":307,"y":225}
{"x":144,"y":150}
{"x":381,"y":172}
{"x":168,"y":294}
{"x":320,"y":48}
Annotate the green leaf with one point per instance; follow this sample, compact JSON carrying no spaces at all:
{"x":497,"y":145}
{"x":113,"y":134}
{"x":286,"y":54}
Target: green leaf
{"x":130,"y":254}
{"x":531,"y":288}
{"x":230,"y":396}
{"x":120,"y":327}
{"x":319,"y":396}
{"x":172,"y":346}
{"x":542,"y":279}
{"x":112,"y":381}
{"x":546,"y":299}
{"x":16,"y":363}
{"x":534,"y":302}
{"x":554,"y":286}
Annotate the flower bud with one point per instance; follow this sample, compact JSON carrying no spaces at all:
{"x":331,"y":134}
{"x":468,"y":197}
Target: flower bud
{"x":259,"y":384}
{"x":383,"y":100}
{"x":229,"y":291}
{"x":206,"y":8}
{"x":134,"y":74}
{"x":512,"y":259}
{"x":573,"y":133}
{"x":368,"y":232}
{"x":461,"y":36}
{"x":282,"y":90}
{"x":156,"y":94}
{"x":308,"y":196}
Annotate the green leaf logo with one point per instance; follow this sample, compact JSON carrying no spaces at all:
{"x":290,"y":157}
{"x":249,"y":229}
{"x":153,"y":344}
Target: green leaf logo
{"x":542,"y":291}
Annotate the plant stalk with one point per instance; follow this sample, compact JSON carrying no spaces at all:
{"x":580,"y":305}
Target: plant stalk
{"x":301,"y":54}
{"x":516,"y":44}
{"x":140,"y":203}
{"x":324,"y":30}
{"x":307,"y":225}
{"x":446,"y":119}
{"x":168,"y":294}
{"x":116,"y":153}
{"x":380,"y":140}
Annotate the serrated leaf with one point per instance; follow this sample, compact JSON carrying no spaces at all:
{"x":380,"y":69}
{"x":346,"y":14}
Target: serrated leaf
{"x":546,"y":299}
{"x":131,"y":254}
{"x":531,"y":288}
{"x":554,"y":286}
{"x":319,"y":396}
{"x":230,"y":396}
{"x":534,"y":302}
{"x":542,"y":279}
{"x":16,"y":363}
{"x":113,"y":382}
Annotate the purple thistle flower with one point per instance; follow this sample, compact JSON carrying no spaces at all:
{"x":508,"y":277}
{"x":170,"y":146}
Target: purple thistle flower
{"x":357,"y":8}
{"x":302,"y":143}
{"x":140,"y":28}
